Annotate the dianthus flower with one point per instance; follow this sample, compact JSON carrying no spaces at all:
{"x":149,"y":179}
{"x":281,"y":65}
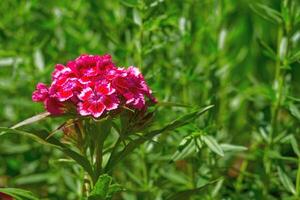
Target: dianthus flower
{"x":91,"y":85}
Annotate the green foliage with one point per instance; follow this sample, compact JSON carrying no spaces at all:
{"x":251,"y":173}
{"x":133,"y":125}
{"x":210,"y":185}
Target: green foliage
{"x":19,"y":194}
{"x":101,"y":188}
{"x":242,"y":56}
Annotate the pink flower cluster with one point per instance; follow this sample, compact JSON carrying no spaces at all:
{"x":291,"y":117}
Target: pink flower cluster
{"x":94,"y":86}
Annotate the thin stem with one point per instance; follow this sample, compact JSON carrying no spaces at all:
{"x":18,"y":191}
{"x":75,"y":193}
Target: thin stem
{"x":112,"y":155}
{"x":99,"y":159}
{"x":86,"y":185}
{"x":298,"y":180}
{"x":278,"y":84}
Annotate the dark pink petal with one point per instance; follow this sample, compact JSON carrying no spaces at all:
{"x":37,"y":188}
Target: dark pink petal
{"x":104,"y":89}
{"x":129,"y":97}
{"x":121,"y":83}
{"x":41,"y":86}
{"x":85,"y":80}
{"x":139,"y":102}
{"x":73,"y":67}
{"x":65,"y":90}
{"x":63,"y":95}
{"x":83,"y":108}
{"x":74,"y":99}
{"x":71,"y":84}
{"x":41,"y":93}
{"x":111,"y":102}
{"x":85,"y":94}
{"x":133,"y":70}
{"x":60,"y":70}
{"x":97,"y":109}
{"x":53,"y":106}
{"x":38,"y":97}
{"x":90,"y":71}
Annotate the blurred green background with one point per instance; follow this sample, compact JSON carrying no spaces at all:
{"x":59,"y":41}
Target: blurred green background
{"x":240,"y":55}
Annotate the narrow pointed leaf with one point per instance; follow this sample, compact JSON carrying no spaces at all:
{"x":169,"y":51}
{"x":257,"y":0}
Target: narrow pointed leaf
{"x":186,"y":194}
{"x":42,"y":138}
{"x":213,"y":145}
{"x":33,"y":119}
{"x":148,"y":136}
{"x":267,"y":13}
{"x":233,"y":148}
{"x":19,"y":194}
{"x":286,"y":181}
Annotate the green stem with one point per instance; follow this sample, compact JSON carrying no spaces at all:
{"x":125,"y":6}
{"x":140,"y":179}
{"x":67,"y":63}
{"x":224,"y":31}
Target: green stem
{"x":298,"y":180}
{"x":99,"y":158}
{"x":112,"y":155}
{"x":278,"y":84}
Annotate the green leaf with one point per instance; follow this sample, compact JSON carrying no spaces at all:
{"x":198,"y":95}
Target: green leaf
{"x":137,"y":17}
{"x":31,"y":120}
{"x":294,"y":111}
{"x":114,"y":188}
{"x":295,"y":57}
{"x":286,"y":181}
{"x":172,"y":104}
{"x":295,"y":145}
{"x":186,"y":149}
{"x":39,"y":59}
{"x":275,"y":155}
{"x":130,"y":3}
{"x":101,"y":188}
{"x":293,"y":141}
{"x":180,"y":122}
{"x":148,"y":136}
{"x":267,"y":50}
{"x":267,"y":13}
{"x":186,"y":194}
{"x":36,"y":137}
{"x":233,"y":148}
{"x":213,"y":145}
{"x":42,"y":137}
{"x":19,"y":194}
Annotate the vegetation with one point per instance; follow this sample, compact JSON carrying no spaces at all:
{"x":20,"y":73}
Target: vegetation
{"x":242,"y":56}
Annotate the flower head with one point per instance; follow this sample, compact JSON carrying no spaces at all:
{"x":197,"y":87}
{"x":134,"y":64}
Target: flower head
{"x":94,"y":86}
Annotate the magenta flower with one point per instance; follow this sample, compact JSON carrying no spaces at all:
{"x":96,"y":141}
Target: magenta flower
{"x":64,"y":89}
{"x":41,"y":94}
{"x":95,"y":102}
{"x":94,"y":86}
{"x":131,"y":84}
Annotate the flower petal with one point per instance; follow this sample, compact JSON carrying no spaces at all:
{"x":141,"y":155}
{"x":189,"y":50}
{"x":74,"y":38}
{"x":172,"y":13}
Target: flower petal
{"x":85,"y":94}
{"x":83,"y":108}
{"x":105,"y":89}
{"x":53,"y":106}
{"x":111,"y":102}
{"x":63,"y":95}
{"x":97,"y":109}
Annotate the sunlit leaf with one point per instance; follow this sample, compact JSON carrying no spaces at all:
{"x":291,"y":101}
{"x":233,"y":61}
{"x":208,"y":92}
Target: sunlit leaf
{"x":186,"y":194}
{"x":31,"y":120}
{"x":19,"y":194}
{"x":213,"y":145}
{"x":149,"y":135}
{"x":233,"y":148}
{"x":41,"y":138}
{"x":267,"y":13}
{"x":286,"y":181}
